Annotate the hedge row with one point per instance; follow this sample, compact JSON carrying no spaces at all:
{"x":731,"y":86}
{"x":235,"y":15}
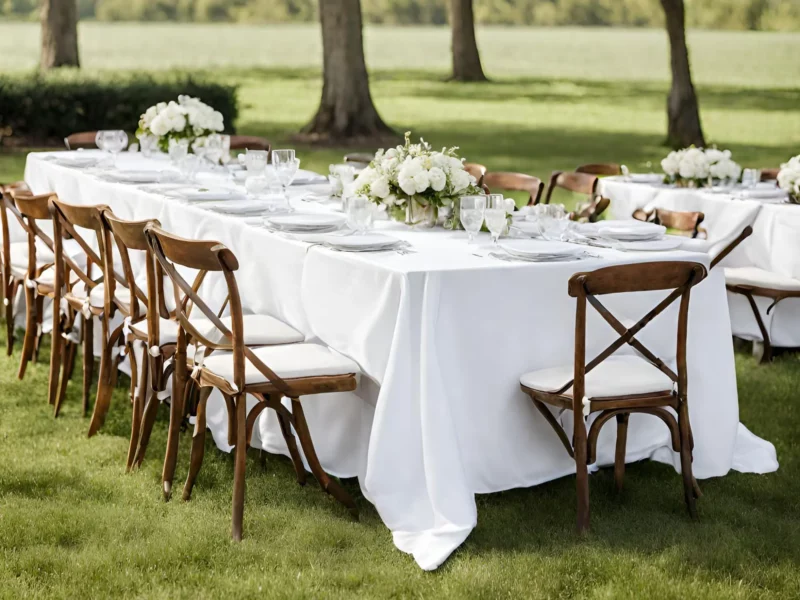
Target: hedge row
{"x":44,"y":108}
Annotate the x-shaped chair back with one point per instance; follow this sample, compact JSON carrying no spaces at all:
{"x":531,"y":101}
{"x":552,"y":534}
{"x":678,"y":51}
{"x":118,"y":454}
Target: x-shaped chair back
{"x":579,"y":183}
{"x":679,"y":276}
{"x":28,"y":210}
{"x":516,"y":182}
{"x":687,"y":222}
{"x":205,"y":256}
{"x":477,"y":170}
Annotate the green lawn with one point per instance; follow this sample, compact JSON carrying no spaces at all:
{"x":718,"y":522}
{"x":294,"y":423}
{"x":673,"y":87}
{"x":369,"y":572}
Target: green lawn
{"x":72,"y":524}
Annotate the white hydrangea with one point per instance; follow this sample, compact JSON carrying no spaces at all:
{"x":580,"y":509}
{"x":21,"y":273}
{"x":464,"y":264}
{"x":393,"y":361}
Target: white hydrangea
{"x":187,"y":118}
{"x":698,"y":164}
{"x":789,"y":176}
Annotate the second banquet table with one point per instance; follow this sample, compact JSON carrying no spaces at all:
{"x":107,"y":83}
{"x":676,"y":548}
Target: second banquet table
{"x":442,"y":336}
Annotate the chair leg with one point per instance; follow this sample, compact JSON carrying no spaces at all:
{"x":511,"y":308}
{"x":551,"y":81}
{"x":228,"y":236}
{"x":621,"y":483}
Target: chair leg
{"x":175,"y":420}
{"x":291,"y":443}
{"x":88,"y":362}
{"x":198,"y":443}
{"x":686,"y":460}
{"x":239,"y":467}
{"x":39,"y":320}
{"x":30,"y":331}
{"x":69,"y":357}
{"x":766,"y":356}
{"x":329,"y":485}
{"x":56,"y":349}
{"x":148,"y":420}
{"x":105,"y":381}
{"x":619,"y":458}
{"x":581,"y":473}
{"x":139,"y":395}
{"x":8,"y":301}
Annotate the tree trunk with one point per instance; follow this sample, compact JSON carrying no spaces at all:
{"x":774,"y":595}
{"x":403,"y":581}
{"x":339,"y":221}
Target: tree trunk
{"x":346,"y":112}
{"x":683,"y":114}
{"x":59,"y":34}
{"x":466,"y":60}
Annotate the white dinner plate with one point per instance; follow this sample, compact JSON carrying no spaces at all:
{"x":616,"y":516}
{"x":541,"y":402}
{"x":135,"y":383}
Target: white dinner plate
{"x":210,"y":194}
{"x":76,"y":162}
{"x":628,"y":230}
{"x":304,"y":177}
{"x":238,"y":207}
{"x":661,"y":245}
{"x":305,"y":221}
{"x":529,"y":228}
{"x":133,"y":176}
{"x":646,"y":178}
{"x":361,"y":243}
{"x":762,"y":194}
{"x":539,"y":249}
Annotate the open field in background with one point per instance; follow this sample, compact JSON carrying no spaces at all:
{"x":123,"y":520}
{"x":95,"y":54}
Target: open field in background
{"x":72,"y":524}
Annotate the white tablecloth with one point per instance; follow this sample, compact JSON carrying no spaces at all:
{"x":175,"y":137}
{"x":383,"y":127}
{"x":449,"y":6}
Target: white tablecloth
{"x":774,"y":245}
{"x":442,"y":337}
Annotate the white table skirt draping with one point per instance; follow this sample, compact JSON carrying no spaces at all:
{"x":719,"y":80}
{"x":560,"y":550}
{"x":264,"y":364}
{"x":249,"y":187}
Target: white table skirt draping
{"x":774,"y":245}
{"x":442,"y":337}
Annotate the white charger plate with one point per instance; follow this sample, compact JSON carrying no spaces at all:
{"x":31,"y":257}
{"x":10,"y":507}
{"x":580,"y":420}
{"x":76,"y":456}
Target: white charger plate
{"x":661,"y":245}
{"x":539,"y":249}
{"x":238,"y":207}
{"x":210,"y":194}
{"x":361,"y":243}
{"x":646,"y":178}
{"x":305,"y":221}
{"x":133,"y":176}
{"x":76,"y":162}
{"x":530,"y":228}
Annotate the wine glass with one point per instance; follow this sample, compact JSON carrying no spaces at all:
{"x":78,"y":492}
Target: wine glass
{"x":112,"y":141}
{"x":750,"y":177}
{"x":495,"y":215}
{"x":213,"y":148}
{"x":286,"y":166}
{"x":255,"y":161}
{"x":148,"y":145}
{"x":360,"y":212}
{"x":178,"y":149}
{"x":553,"y":221}
{"x":471,"y":214}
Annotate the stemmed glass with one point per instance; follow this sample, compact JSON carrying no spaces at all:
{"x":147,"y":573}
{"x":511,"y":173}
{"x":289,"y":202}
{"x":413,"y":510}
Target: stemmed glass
{"x":255,"y":161}
{"x":213,"y":148}
{"x":750,"y":177}
{"x":552,"y":220}
{"x":360,"y":212}
{"x":471,"y":214}
{"x":286,"y":166}
{"x":495,"y":215}
{"x":112,"y":141}
{"x":178,"y":149}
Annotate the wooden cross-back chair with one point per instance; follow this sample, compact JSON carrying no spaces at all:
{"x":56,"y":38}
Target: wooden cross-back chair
{"x":579,"y":183}
{"x":82,"y":139}
{"x":590,"y":211}
{"x":93,"y":297}
{"x":142,"y":330}
{"x":359,"y":159}
{"x":683,"y":222}
{"x":249,"y":142}
{"x":12,"y":270}
{"x":477,"y":170}
{"x":769,"y":174}
{"x":519,"y":182}
{"x":614,"y":385}
{"x":236,"y":369}
{"x":600,"y":169}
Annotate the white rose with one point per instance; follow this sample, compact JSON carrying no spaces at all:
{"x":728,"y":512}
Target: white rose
{"x":366,"y":177}
{"x":460,"y":180}
{"x":437,"y":178}
{"x":687,"y":169}
{"x":421,"y":181}
{"x":671,"y":164}
{"x":380,"y":187}
{"x":510,"y":205}
{"x":407,"y":184}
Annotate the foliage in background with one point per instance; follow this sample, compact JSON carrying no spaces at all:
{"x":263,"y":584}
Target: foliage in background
{"x":48,"y":107}
{"x":711,"y":14}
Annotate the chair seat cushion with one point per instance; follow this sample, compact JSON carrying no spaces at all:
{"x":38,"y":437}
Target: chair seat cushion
{"x":615,"y":376}
{"x":289,"y":361}
{"x":258,"y":330}
{"x":44,"y":256}
{"x":755,"y":277}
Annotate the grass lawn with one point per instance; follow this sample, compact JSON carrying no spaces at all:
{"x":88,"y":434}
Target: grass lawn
{"x":72,"y":524}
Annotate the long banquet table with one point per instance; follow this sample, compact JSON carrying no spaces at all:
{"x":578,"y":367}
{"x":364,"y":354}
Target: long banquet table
{"x":442,"y":336}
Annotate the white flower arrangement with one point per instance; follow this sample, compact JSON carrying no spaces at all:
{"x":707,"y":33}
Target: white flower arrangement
{"x":188,"y":118}
{"x":416,"y":174}
{"x":789,"y":178}
{"x":696,"y":166}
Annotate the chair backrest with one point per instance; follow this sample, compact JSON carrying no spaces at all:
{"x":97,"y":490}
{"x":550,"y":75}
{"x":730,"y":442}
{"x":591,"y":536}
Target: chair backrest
{"x":127,"y":236}
{"x":83,"y":139}
{"x":28,"y":209}
{"x":359,"y":158}
{"x":600,"y":169}
{"x":678,"y":276}
{"x":66,"y":217}
{"x":477,"y":170}
{"x":203,"y":256}
{"x":580,"y":183}
{"x":519,"y":182}
{"x":683,"y":222}
{"x":591,"y":211}
{"x":251,"y":142}
{"x":769,"y":174}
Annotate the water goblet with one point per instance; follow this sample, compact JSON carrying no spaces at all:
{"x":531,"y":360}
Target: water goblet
{"x":360,"y":212}
{"x":188,"y":166}
{"x":213,"y":148}
{"x":495,"y":215}
{"x":750,"y":177}
{"x":255,"y":161}
{"x":112,"y":141}
{"x":471,"y":214}
{"x":286,"y":166}
{"x":178,"y":150}
{"x":148,"y":145}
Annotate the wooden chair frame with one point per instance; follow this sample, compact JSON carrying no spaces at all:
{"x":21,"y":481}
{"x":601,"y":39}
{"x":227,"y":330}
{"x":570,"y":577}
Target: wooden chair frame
{"x":478,"y":171}
{"x":685,"y":221}
{"x":210,"y":256}
{"x":580,"y":183}
{"x":251,"y":142}
{"x":519,"y":182}
{"x":678,"y":276}
{"x":591,"y":211}
{"x":10,"y":284}
{"x":603,"y":169}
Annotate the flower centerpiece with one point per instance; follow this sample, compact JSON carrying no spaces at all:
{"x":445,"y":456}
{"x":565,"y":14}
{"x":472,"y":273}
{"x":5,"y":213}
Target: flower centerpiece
{"x":789,"y":179}
{"x":414,"y":182}
{"x":187,"y":119}
{"x":698,"y":167}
